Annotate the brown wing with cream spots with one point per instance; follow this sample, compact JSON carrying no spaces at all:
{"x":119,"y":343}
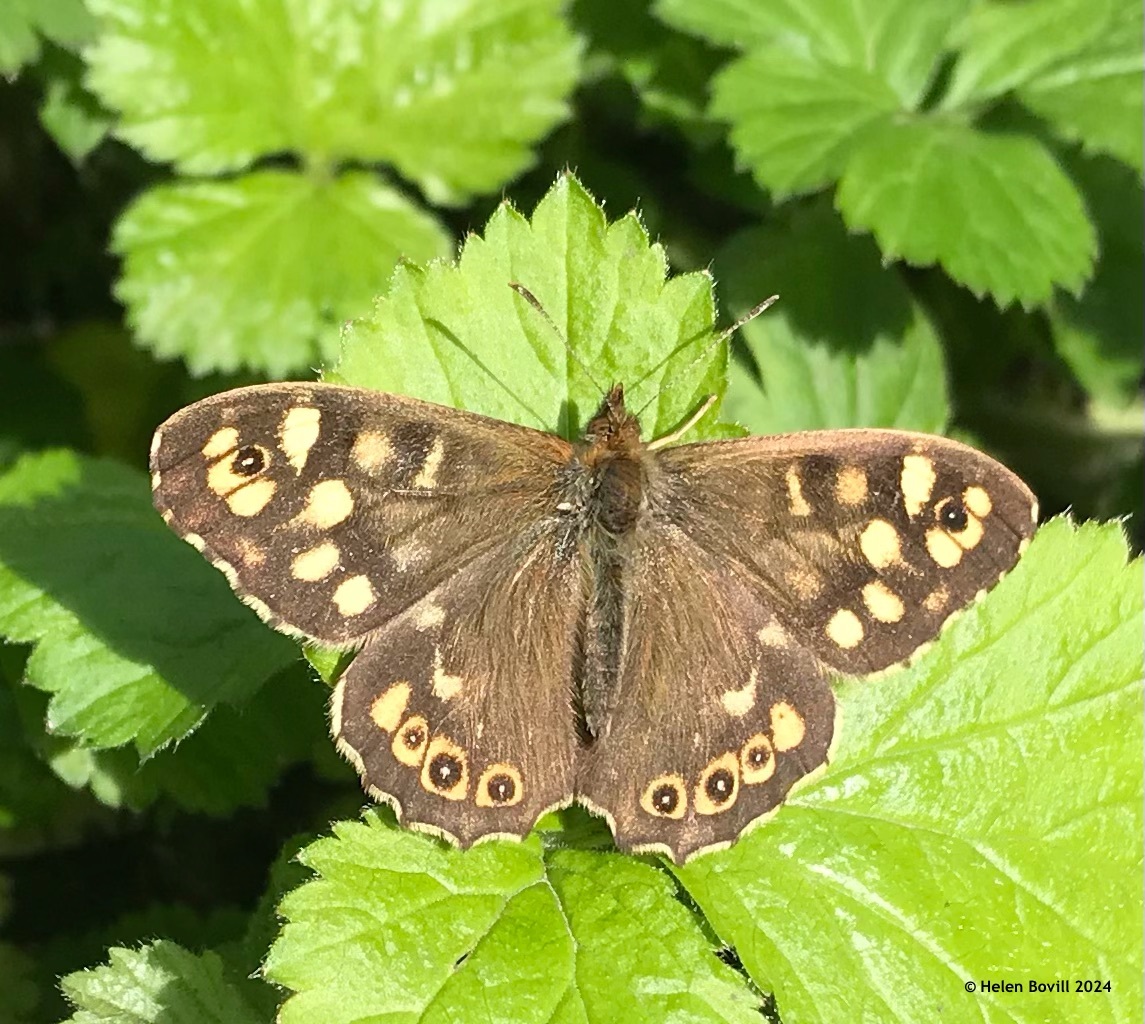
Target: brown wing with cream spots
{"x":861,"y":542}
{"x":459,"y":711}
{"x":333,"y":509}
{"x":714,"y":712}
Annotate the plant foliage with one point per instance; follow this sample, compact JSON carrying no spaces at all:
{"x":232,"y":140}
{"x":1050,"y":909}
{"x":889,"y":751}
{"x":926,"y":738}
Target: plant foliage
{"x":946,"y":196}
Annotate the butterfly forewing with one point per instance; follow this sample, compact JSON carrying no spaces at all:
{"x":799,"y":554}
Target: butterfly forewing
{"x":862,"y":542}
{"x":333,"y":509}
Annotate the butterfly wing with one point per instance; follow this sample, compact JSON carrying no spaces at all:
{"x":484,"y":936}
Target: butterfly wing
{"x":862,"y":542}
{"x":425,"y":536}
{"x":459,"y":712}
{"x":714,"y":714}
{"x":333,"y":509}
{"x":759,"y":563}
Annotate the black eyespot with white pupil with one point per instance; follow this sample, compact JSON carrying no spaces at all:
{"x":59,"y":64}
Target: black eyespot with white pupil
{"x":757,"y":757}
{"x":952,"y":514}
{"x":501,"y":788}
{"x":413,"y":737}
{"x":665,"y":798}
{"x":719,"y":786}
{"x":445,"y":771}
{"x":249,"y":461}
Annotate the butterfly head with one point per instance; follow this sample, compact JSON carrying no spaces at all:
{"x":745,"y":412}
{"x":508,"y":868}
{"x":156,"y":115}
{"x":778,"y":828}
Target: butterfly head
{"x":613,"y":430}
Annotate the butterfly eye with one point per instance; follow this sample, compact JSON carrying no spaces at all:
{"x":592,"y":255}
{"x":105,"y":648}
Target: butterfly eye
{"x":250,"y":460}
{"x":951,"y":514}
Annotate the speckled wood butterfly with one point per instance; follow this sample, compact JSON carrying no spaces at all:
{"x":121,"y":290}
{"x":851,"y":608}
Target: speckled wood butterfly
{"x":643,"y":628}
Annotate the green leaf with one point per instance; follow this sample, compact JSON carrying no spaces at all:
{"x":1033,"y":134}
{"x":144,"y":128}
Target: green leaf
{"x":459,"y":335}
{"x":1096,"y":97}
{"x":1005,"y":45}
{"x":1100,"y":334}
{"x":260,"y":271}
{"x":68,"y":112}
{"x":232,"y":760}
{"x":796,"y":119}
{"x":996,"y":211}
{"x":160,"y":983}
{"x":499,"y":932}
{"x":899,"y":41}
{"x":453,"y":96}
{"x":136,"y":636}
{"x":981,"y":819}
{"x":845,"y":346}
{"x":24,"y":22}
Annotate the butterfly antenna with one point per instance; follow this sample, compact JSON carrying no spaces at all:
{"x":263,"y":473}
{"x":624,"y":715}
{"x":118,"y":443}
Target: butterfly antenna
{"x":747,"y":318}
{"x":533,"y":301}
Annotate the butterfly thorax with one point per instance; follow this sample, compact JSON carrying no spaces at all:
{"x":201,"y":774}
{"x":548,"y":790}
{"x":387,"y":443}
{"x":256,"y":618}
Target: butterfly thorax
{"x":609,"y":462}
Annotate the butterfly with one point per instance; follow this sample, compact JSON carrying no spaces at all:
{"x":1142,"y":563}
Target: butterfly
{"x":646,"y":628}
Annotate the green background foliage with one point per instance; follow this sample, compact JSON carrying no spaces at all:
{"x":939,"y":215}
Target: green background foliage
{"x":946,"y":195}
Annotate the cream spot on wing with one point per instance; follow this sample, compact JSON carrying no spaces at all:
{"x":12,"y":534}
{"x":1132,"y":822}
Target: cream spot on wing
{"x":978,"y":501}
{"x":787,"y":726}
{"x":969,"y":536}
{"x":195,"y":541}
{"x":882,"y":602}
{"x":427,"y":475}
{"x":879,"y":543}
{"x":317,"y":563}
{"x":773,"y":635}
{"x":851,"y":486}
{"x":328,"y":504}
{"x":917,"y":481}
{"x":428,"y":615}
{"x":845,"y":629}
{"x":354,"y":596}
{"x":937,"y":600}
{"x":795,"y":499}
{"x":221,"y":479}
{"x":299,"y":431}
{"x":221,"y":442}
{"x":445,"y":686}
{"x":252,"y":498}
{"x":804,"y":582}
{"x":388,"y":710}
{"x":738,"y":703}
{"x":372,"y":450}
{"x":943,"y":548}
{"x":156,"y":480}
{"x":250,"y":553}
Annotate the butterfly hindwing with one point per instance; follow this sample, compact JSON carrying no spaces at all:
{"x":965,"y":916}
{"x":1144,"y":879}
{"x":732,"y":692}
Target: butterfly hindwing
{"x":333,"y":508}
{"x":715,"y":713}
{"x":459,"y":711}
